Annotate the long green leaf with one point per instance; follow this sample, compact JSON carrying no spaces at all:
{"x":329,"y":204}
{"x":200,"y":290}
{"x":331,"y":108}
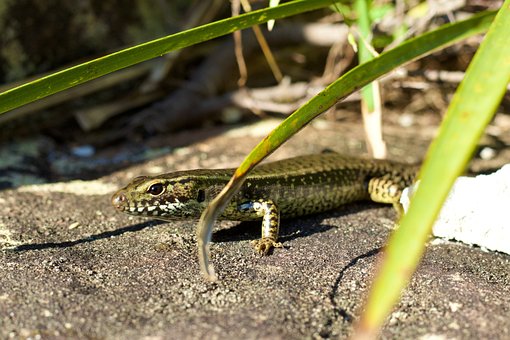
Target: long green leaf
{"x":364,"y":55}
{"x":348,"y":83}
{"x":79,"y":74}
{"x":470,"y":111}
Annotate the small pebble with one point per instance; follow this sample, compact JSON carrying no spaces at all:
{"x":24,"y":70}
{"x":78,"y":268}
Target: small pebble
{"x":406,"y":120}
{"x":73,"y":225}
{"x":487,"y":153}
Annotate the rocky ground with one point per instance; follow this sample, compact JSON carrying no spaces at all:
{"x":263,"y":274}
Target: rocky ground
{"x":73,"y":267}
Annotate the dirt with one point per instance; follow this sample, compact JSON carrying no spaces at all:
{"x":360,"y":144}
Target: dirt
{"x":71,"y":267}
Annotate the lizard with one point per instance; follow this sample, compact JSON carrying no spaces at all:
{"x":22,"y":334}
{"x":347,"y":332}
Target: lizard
{"x":286,"y":188}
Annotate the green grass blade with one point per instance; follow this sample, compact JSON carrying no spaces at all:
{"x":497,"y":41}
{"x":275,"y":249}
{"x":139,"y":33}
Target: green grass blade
{"x":364,"y":55}
{"x":470,"y":111}
{"x":348,"y":83}
{"x":81,"y":73}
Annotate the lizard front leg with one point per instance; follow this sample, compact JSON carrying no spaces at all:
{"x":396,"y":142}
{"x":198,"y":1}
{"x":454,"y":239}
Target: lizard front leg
{"x":270,"y":214}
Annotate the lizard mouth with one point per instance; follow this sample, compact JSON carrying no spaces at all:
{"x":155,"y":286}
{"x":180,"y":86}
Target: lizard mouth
{"x":167,"y":209}
{"x":121,"y":203}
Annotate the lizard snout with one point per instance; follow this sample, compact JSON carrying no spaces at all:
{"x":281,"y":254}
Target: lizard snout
{"x":119,"y":200}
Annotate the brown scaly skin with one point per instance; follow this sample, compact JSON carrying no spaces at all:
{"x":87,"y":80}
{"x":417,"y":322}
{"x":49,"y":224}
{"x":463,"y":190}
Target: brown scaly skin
{"x":287,"y":188}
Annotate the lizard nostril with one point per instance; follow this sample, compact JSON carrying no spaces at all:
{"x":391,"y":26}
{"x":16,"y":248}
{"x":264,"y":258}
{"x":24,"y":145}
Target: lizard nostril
{"x":119,"y":200}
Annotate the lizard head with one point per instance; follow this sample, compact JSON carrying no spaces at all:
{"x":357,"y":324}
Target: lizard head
{"x":171,"y":196}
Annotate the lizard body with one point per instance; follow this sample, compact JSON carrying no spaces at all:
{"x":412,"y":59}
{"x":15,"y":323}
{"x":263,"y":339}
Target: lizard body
{"x":288,"y":188}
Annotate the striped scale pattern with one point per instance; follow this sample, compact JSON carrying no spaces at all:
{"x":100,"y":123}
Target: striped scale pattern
{"x":292,"y":187}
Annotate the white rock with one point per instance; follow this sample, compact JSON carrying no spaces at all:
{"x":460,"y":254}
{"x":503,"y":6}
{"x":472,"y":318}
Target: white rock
{"x":477,"y":211}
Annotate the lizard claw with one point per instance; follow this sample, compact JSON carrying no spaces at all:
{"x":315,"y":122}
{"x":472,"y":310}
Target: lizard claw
{"x":265,"y":244}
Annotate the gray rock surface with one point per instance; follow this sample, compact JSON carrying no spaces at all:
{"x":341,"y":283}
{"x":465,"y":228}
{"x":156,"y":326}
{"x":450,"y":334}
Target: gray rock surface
{"x":71,"y":267}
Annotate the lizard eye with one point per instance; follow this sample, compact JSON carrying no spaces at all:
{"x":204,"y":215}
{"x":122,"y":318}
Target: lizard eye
{"x":201,"y":195}
{"x":156,"y":189}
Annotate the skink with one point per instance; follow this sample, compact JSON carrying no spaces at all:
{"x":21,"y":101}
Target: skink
{"x":288,"y":188}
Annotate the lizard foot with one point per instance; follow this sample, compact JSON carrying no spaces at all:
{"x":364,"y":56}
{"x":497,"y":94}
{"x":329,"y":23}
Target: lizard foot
{"x":265,"y":244}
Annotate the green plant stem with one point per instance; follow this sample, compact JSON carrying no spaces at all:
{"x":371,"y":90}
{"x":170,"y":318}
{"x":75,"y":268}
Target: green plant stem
{"x":364,"y":55}
{"x":471,"y":109}
{"x":348,"y":83}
